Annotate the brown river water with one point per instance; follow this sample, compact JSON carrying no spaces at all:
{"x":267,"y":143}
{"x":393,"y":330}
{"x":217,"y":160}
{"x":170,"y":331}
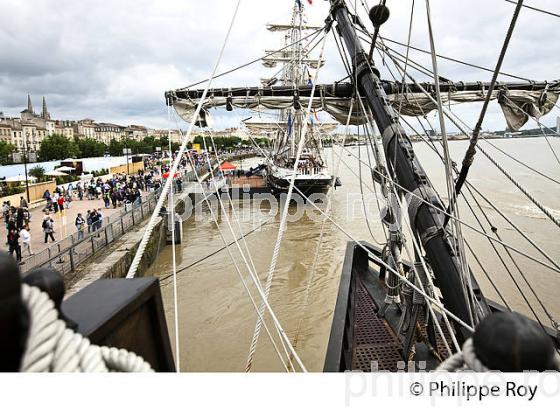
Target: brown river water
{"x":216,"y":318}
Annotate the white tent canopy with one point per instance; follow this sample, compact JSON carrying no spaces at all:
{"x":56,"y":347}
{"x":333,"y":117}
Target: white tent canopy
{"x":20,"y":178}
{"x":56,"y":173}
{"x":65,"y":169}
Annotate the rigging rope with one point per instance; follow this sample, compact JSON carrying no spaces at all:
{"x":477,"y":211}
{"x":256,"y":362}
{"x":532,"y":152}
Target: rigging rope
{"x":550,"y":13}
{"x":174,"y":255}
{"x":452,"y":207}
{"x":155,"y":215}
{"x":283,"y":220}
{"x":471,"y":151}
{"x":283,"y":337}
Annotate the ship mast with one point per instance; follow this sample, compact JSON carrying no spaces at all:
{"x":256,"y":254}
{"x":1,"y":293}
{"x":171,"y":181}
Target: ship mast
{"x":439,"y":245}
{"x":294,"y":62}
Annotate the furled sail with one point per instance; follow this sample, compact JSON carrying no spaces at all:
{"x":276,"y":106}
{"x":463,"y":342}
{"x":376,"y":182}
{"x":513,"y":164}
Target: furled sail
{"x":517,"y":104}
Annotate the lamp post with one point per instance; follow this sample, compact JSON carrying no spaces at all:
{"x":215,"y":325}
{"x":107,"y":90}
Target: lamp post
{"x":127,"y":151}
{"x":25,"y":165}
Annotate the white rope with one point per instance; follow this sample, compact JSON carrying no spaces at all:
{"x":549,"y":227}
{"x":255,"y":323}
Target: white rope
{"x":52,"y":347}
{"x":463,"y":360}
{"x":321,"y":235}
{"x":174,"y":254}
{"x":250,"y":266}
{"x":283,"y":220}
{"x":155,"y":215}
{"x":255,"y":281}
{"x":458,"y":234}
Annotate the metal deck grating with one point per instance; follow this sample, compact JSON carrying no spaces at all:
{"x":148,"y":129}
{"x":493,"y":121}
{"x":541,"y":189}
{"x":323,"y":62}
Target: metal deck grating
{"x":440,"y":345}
{"x":374,"y":341}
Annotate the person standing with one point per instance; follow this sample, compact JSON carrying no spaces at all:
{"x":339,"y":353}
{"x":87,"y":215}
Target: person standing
{"x":89,"y":220}
{"x":55,"y":201}
{"x":60,"y":201}
{"x":99,"y":218}
{"x":13,"y":243}
{"x":26,"y":239}
{"x":48,"y":228}
{"x":80,"y":226}
{"x":22,"y":202}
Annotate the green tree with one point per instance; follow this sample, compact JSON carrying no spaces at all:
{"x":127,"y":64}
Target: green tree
{"x":90,"y":147}
{"x":6,"y":150}
{"x":116,"y":148}
{"x":38,"y":172}
{"x":58,"y":147}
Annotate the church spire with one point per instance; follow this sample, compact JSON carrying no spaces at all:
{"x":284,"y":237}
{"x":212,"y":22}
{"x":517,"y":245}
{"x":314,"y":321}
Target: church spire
{"x":45,"y":114}
{"x":29,"y":106}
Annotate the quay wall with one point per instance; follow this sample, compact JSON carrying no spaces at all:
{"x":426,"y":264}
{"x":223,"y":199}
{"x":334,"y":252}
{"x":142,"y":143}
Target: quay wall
{"x":36,"y":192}
{"x":115,"y":260}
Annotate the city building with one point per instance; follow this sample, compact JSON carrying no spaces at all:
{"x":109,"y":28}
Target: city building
{"x":136,"y":132}
{"x":106,"y":132}
{"x":27,"y":131}
{"x":84,"y":128}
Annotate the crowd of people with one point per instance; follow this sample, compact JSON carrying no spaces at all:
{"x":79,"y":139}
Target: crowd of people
{"x":115,"y":191}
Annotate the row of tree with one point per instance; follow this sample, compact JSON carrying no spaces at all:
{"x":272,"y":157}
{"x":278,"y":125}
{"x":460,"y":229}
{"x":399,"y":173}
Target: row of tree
{"x":57,"y":147}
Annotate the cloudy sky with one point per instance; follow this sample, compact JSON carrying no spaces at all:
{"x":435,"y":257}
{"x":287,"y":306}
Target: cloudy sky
{"x":113,"y":60}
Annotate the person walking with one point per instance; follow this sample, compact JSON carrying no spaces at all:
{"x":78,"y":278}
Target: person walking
{"x":48,"y":228}
{"x":80,"y":226}
{"x":26,"y":239}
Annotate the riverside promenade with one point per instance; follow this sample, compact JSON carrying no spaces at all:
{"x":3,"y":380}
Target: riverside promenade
{"x":63,"y":223}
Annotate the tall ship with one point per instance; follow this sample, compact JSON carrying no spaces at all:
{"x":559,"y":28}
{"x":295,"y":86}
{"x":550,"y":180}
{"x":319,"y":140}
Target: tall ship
{"x":412,"y":300}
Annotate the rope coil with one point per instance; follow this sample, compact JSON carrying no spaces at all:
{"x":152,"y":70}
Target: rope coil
{"x":52,"y":347}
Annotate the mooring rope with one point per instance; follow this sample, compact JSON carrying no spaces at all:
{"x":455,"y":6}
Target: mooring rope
{"x":52,"y":347}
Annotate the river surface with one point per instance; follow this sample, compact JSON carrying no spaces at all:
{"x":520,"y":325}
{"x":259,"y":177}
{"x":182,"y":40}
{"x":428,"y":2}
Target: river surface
{"x":216,"y":318}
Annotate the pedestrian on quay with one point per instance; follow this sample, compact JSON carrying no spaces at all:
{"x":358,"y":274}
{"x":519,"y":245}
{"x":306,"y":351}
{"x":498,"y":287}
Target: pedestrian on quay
{"x":20,"y":218}
{"x":80,"y":226}
{"x":80,"y":191}
{"x":67,"y":199}
{"x":100,"y":218}
{"x":55,"y":201}
{"x":61,"y":201}
{"x":13,"y":243}
{"x":89,"y":221}
{"x":48,"y":228}
{"x":26,"y":239}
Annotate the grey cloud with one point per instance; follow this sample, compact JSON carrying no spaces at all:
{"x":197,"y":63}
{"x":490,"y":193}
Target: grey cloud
{"x":112,"y":61}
